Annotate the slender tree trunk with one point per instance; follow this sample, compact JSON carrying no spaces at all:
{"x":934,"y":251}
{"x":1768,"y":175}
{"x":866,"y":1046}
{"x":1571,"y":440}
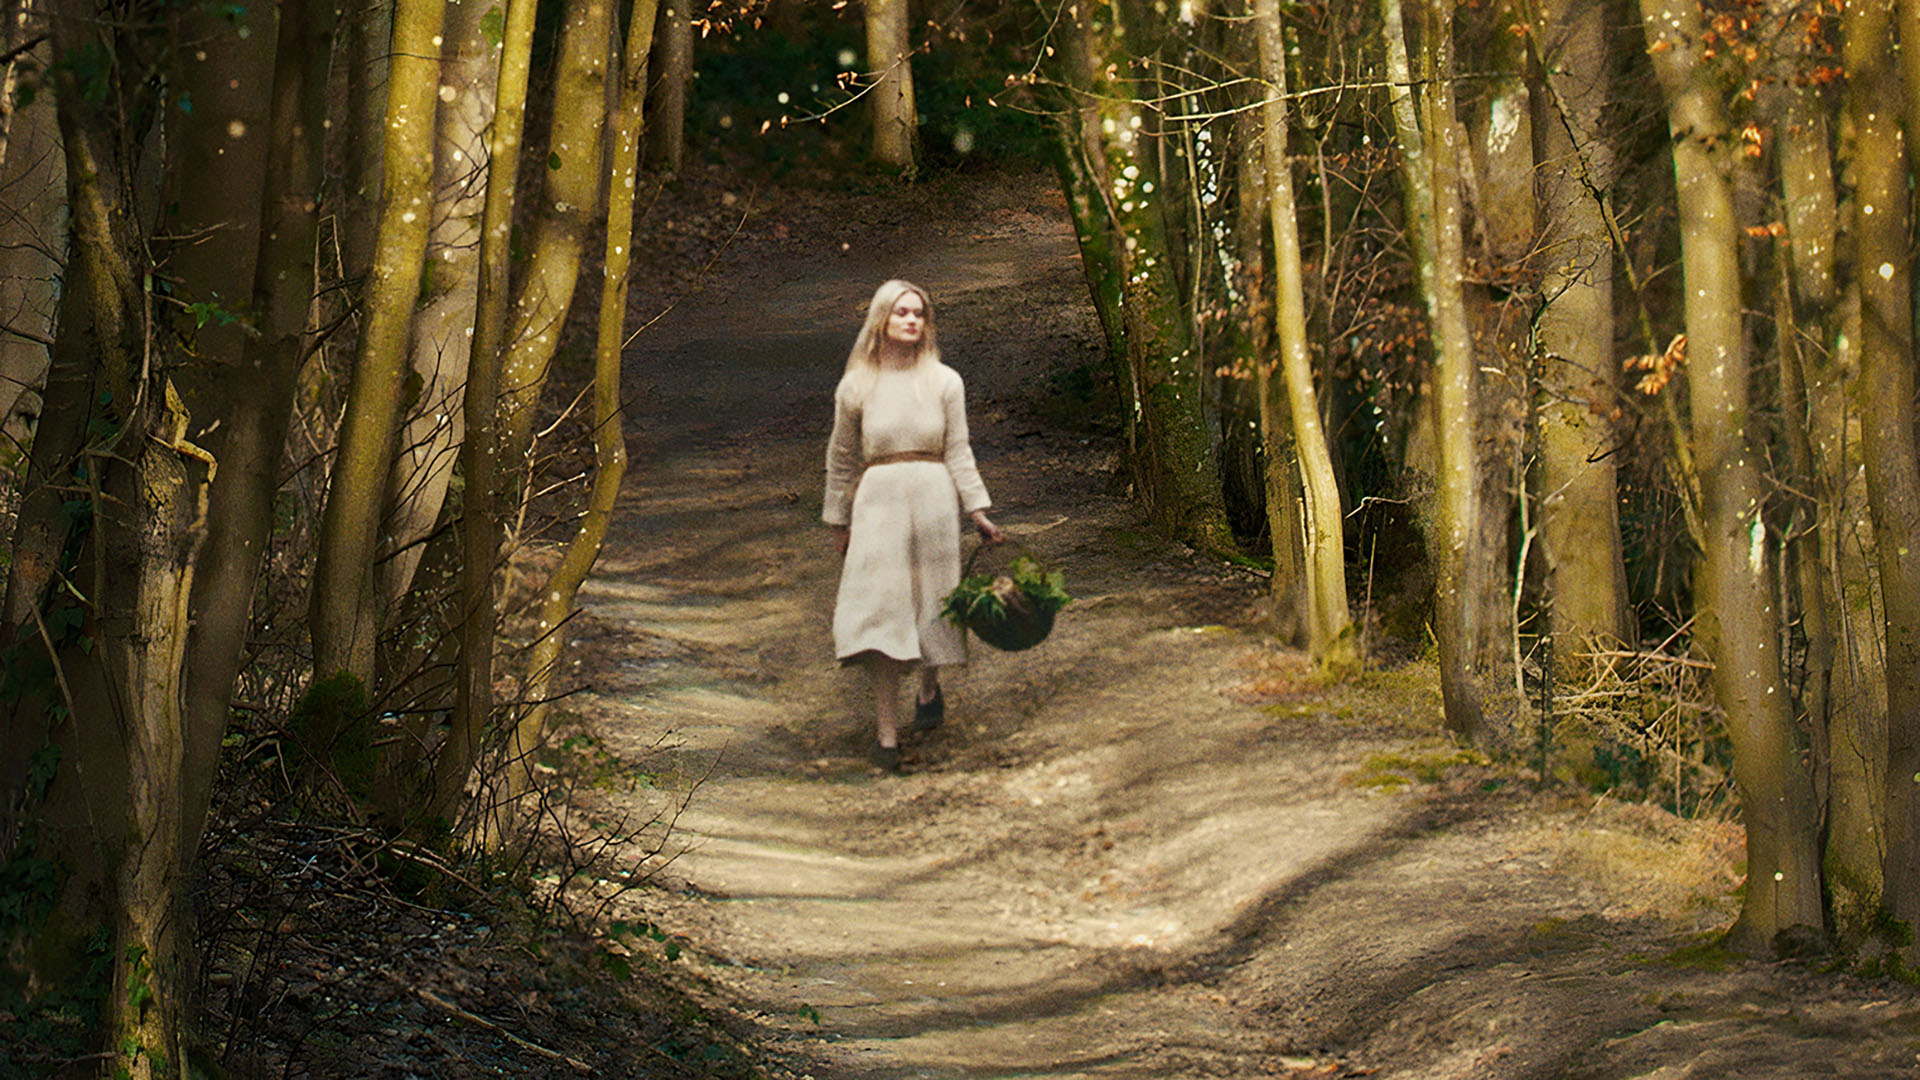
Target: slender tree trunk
{"x":369,"y":45}
{"x":1735,"y":618}
{"x":1280,"y":476}
{"x":480,"y":453}
{"x":1174,"y":467}
{"x":1881,"y":259}
{"x":672,"y":68}
{"x":32,"y":239}
{"x":67,"y":412}
{"x":1842,"y":689}
{"x":443,"y":323}
{"x":1330,"y":633}
{"x":536,"y":319}
{"x":609,"y":430}
{"x":1908,"y":58}
{"x":896,"y":127}
{"x":345,"y":616}
{"x":1579,"y":378}
{"x":216,"y":183}
{"x":1430,"y":176}
{"x":557,"y":237}
{"x":1082,"y":168}
{"x":213,"y":225}
{"x":1498,"y":229}
{"x":261,"y":393}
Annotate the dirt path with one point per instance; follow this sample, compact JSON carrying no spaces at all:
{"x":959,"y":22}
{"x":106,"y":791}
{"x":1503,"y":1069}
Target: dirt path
{"x":1152,"y":847}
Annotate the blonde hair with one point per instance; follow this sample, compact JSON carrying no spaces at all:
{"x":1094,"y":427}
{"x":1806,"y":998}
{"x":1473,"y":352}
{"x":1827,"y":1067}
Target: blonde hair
{"x":863,"y":362}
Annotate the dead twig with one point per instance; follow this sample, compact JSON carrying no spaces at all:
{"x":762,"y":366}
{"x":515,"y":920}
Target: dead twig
{"x":477,"y":1020}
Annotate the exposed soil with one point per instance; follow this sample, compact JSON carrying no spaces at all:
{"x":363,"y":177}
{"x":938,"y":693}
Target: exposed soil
{"x":1155,"y":846}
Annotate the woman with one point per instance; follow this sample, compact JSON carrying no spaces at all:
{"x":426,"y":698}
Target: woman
{"x":899,"y":472}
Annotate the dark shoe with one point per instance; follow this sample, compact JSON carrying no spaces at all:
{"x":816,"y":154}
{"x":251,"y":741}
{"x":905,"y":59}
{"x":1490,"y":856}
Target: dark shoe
{"x":887,"y":757}
{"x":928,"y":714}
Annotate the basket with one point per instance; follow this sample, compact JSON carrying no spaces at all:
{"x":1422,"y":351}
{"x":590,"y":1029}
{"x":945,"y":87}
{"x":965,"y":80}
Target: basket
{"x":1018,"y":621}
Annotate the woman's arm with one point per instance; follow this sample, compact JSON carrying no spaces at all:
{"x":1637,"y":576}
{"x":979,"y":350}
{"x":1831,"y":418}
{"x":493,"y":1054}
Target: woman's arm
{"x":843,"y":465}
{"x":958,"y":452}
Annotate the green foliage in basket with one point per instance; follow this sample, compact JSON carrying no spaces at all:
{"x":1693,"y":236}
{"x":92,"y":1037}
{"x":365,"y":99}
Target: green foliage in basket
{"x":984,"y":596}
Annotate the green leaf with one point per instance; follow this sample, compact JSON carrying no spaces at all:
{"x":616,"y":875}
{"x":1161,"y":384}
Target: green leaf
{"x":553,"y":161}
{"x":493,"y":27}
{"x":618,"y":965}
{"x":186,"y":102}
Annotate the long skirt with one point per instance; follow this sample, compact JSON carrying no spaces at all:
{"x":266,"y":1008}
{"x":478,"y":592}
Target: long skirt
{"x":903,"y":558}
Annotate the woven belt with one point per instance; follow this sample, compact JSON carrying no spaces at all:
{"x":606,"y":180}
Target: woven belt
{"x":906,"y":455}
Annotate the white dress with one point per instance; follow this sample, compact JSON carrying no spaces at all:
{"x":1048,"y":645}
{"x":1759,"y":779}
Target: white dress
{"x":903,"y":551}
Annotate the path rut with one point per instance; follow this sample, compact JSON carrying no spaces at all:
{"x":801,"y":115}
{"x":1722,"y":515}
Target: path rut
{"x":1149,"y":848}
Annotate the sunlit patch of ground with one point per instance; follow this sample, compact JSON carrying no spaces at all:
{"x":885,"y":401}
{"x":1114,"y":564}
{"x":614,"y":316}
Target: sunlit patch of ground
{"x":1154,"y":847}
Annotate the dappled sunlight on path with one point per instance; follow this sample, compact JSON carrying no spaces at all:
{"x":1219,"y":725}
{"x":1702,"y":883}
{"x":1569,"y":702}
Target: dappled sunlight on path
{"x":1112,"y":861}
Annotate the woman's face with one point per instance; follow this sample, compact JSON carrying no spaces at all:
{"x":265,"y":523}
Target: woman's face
{"x":907,"y":322}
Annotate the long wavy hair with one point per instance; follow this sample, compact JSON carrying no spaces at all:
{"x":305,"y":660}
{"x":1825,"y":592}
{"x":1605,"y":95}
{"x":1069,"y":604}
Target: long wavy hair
{"x":863,"y":362}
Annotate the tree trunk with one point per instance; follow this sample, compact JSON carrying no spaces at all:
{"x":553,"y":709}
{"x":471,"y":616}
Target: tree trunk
{"x":345,"y":615}
{"x":1173,"y":466}
{"x":480,"y":453}
{"x":558,"y":234}
{"x":1498,"y":231}
{"x":1579,"y":380}
{"x":672,"y":68}
{"x":216,"y":183}
{"x":1842,"y":688}
{"x":1083,"y":179}
{"x":1735,"y":618}
{"x":260,"y":393}
{"x":67,"y":411}
{"x":369,"y":45}
{"x":557,"y":238}
{"x":1881,"y":257}
{"x":443,"y":322}
{"x":896,"y":126}
{"x":1330,"y":632}
{"x":216,"y":155}
{"x":1430,"y":167}
{"x":1279,"y":477}
{"x":110,"y":816}
{"x":609,"y":429}
{"x":33,"y":241}
{"x":1908,"y":74}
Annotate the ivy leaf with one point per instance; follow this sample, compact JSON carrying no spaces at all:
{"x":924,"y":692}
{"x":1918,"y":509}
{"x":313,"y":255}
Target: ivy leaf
{"x":493,"y":27}
{"x":553,"y":161}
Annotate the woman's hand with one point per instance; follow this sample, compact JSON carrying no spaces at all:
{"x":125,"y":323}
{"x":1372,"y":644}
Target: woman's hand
{"x":841,"y":533}
{"x":988,"y":530}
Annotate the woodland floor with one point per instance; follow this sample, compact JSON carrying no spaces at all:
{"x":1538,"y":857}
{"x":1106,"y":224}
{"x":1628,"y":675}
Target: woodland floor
{"x":1154,"y":847}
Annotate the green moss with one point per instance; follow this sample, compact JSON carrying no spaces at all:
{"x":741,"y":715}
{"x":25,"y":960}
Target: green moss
{"x":1397,"y":769}
{"x":1708,"y":954}
{"x":331,"y":727}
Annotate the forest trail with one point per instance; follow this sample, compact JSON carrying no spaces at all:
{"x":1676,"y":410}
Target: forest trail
{"x":1153,"y":847}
